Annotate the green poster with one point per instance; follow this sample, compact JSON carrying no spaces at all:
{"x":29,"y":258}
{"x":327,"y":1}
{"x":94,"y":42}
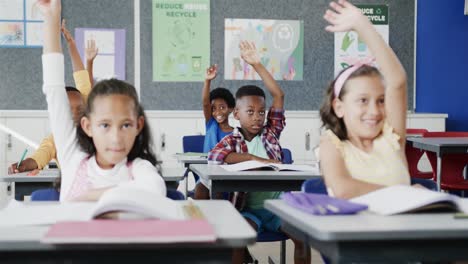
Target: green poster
{"x":181,"y":40}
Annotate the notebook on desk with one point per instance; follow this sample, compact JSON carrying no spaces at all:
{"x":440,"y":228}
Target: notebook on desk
{"x":130,"y":231}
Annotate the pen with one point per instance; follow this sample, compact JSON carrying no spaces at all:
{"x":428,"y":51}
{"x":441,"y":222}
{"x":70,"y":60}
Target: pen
{"x":22,"y":158}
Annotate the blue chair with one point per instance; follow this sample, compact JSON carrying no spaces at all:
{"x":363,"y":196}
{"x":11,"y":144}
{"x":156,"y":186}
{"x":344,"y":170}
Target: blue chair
{"x":50,"y":194}
{"x":192,"y":143}
{"x":429,"y":184}
{"x":314,"y":186}
{"x":287,"y":156}
{"x":174,"y":195}
{"x":318,"y":185}
{"x":268,"y":236}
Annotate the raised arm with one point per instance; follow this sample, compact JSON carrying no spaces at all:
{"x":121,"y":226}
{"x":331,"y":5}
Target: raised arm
{"x":344,"y":17}
{"x":211,"y":73}
{"x":77,"y":64}
{"x":91,"y":53}
{"x":51,"y":10}
{"x":250,"y":55}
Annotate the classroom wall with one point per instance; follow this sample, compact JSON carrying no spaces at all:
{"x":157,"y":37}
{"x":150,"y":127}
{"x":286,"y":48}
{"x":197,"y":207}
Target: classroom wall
{"x":21,"y":73}
{"x":318,"y":51}
{"x":442,"y":61}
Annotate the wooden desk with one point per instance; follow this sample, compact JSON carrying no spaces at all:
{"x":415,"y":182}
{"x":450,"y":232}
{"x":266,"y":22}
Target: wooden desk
{"x":373,"y":238}
{"x":251,"y":181}
{"x":441,"y":146}
{"x":21,"y":243}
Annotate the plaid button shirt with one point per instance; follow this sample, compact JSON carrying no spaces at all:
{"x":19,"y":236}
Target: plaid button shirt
{"x":235,"y":143}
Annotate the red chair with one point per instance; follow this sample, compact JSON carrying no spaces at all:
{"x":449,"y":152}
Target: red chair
{"x":413,"y":156}
{"x":453,"y":165}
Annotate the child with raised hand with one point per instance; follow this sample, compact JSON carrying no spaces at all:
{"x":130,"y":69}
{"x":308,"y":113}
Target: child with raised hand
{"x":363,"y":148}
{"x":111,"y":145}
{"x":256,"y":141}
{"x":76,"y":96}
{"x":217,"y":106}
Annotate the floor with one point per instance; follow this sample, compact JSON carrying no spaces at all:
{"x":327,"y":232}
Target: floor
{"x":261,"y":251}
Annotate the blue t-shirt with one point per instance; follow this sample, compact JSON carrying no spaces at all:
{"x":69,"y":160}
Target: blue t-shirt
{"x":214,"y":134}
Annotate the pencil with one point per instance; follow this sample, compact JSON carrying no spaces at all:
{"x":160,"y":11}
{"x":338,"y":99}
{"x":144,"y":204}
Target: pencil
{"x":22,"y":158}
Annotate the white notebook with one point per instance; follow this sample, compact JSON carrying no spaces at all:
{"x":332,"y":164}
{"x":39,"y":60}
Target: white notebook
{"x":405,"y":199}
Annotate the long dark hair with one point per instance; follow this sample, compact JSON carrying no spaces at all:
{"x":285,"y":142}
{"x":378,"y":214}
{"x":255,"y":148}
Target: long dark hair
{"x":143,"y":143}
{"x":329,"y":118}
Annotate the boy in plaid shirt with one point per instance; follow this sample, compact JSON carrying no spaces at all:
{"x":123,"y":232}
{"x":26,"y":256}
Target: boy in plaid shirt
{"x":256,"y":141}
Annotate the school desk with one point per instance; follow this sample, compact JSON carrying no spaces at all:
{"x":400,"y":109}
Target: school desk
{"x":441,"y":146}
{"x":369,"y":238}
{"x":21,"y":243}
{"x":251,"y":181}
{"x":187,"y":160}
{"x":25,"y":185}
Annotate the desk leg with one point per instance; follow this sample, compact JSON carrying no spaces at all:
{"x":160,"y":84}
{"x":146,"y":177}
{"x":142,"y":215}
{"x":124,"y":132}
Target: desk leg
{"x":186,"y":174}
{"x":439,"y":171}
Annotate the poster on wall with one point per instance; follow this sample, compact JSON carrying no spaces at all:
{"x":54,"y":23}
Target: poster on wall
{"x":110,"y":61}
{"x":349,"y":47}
{"x":279,"y":42}
{"x":181,"y":40}
{"x":20,"y":24}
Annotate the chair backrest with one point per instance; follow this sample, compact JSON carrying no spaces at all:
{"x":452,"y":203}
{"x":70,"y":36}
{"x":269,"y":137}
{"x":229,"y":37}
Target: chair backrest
{"x":446,"y":134}
{"x":174,"y":195}
{"x":193,"y":143}
{"x":413,"y":155}
{"x":416,"y":131}
{"x":429,"y":184}
{"x":453,"y":164}
{"x":50,"y":194}
{"x":287,"y":156}
{"x":314,"y":186}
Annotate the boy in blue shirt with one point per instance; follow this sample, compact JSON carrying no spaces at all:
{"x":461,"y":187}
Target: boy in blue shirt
{"x":217,"y":106}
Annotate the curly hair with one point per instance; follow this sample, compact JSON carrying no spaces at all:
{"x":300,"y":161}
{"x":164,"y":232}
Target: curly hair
{"x":142,"y":148}
{"x":225,"y":94}
{"x":329,"y":118}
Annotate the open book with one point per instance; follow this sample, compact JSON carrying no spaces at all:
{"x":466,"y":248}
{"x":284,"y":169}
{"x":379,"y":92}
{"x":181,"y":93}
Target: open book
{"x":257,"y":165}
{"x":406,"y":199}
{"x":138,"y":203}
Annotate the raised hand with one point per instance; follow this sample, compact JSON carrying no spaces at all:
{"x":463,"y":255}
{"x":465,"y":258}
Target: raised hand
{"x":249,"y":52}
{"x":65,"y":32}
{"x":344,"y":16}
{"x":211,"y":72}
{"x":290,"y":75}
{"x":91,"y":50}
{"x":49,"y":7}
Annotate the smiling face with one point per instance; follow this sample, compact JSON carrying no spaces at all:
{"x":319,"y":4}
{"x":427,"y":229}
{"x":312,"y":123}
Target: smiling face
{"x":250,"y":111}
{"x":362,"y":107}
{"x":220,"y":110}
{"x":113,"y":126}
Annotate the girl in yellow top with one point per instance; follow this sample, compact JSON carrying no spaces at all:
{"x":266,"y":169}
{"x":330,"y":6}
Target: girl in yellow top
{"x":77,"y":96}
{"x":365,"y":115}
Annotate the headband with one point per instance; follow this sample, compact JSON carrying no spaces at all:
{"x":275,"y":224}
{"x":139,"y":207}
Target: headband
{"x":345,"y":75}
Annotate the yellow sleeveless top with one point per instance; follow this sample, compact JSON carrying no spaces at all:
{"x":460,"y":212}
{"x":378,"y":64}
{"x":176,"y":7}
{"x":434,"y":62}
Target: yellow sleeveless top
{"x":384,"y":165}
